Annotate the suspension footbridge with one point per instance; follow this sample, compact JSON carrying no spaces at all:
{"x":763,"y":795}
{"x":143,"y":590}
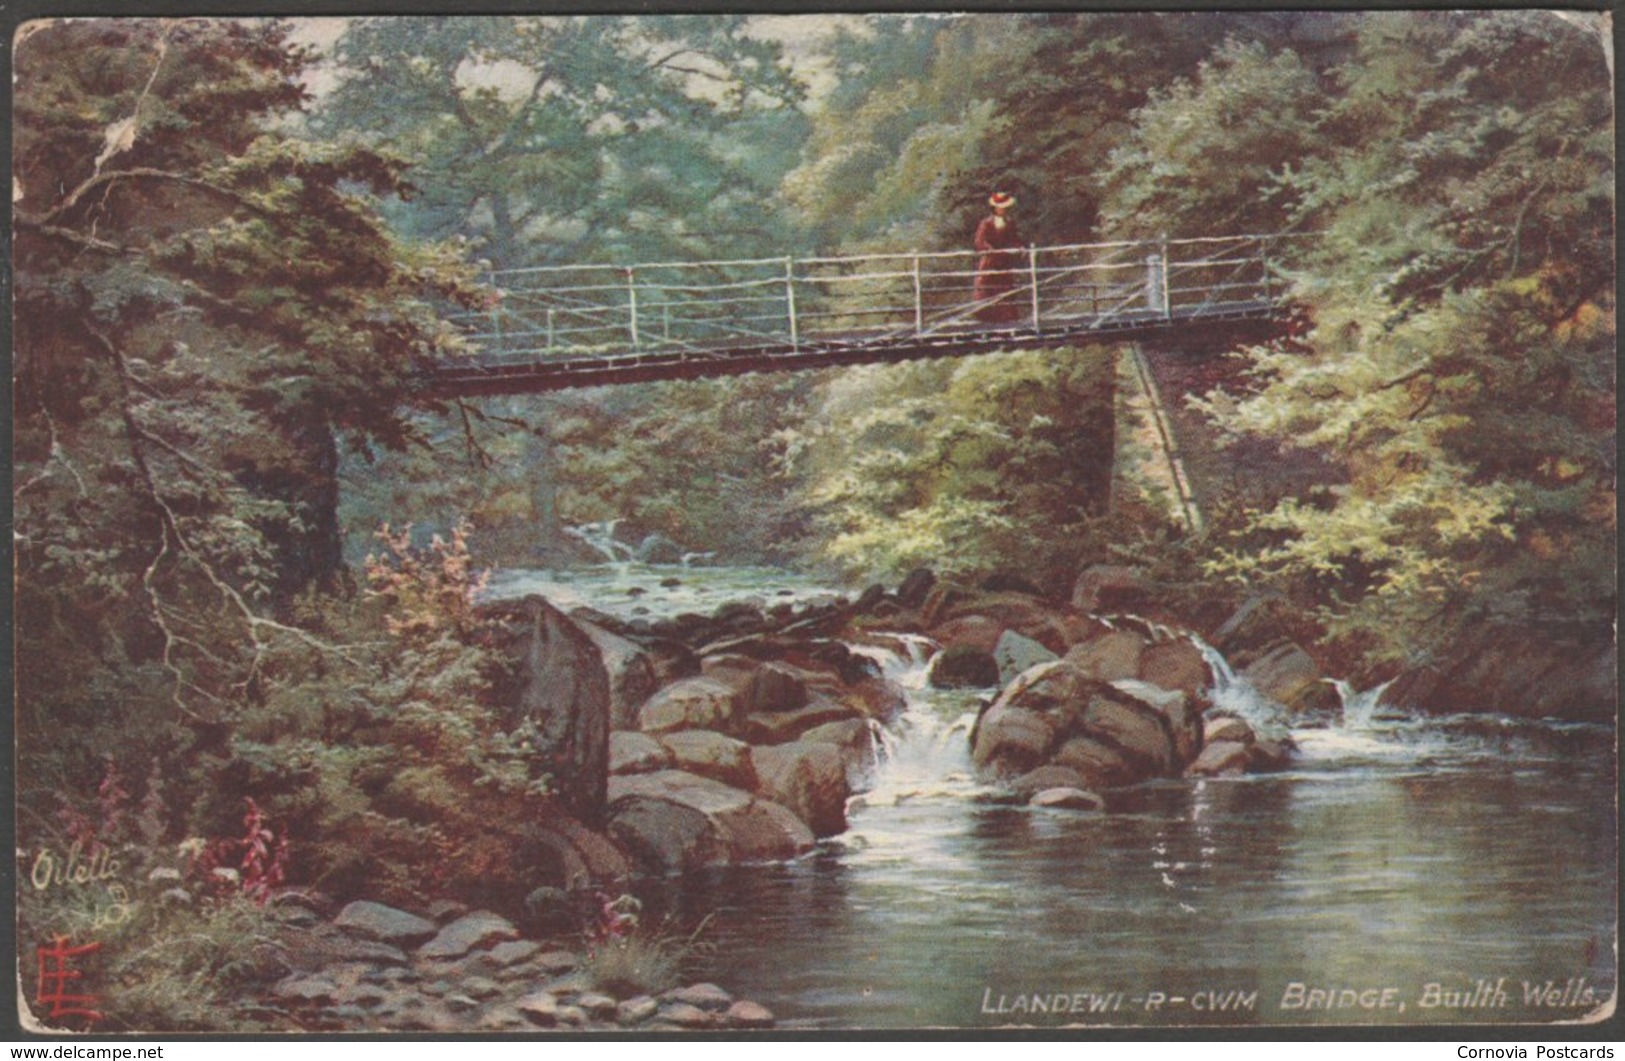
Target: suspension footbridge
{"x":558,"y":327}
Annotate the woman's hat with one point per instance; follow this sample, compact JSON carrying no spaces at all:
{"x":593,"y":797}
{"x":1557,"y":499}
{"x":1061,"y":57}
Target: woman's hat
{"x":1001,"y":201}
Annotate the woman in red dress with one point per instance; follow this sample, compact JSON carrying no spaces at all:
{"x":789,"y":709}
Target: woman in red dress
{"x":996,"y":240}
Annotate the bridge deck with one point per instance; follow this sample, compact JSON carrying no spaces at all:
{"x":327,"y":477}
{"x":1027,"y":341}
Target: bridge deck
{"x":1220,"y":325}
{"x":557,"y":327}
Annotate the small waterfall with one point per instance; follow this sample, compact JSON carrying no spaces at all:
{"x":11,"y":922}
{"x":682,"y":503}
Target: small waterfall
{"x":1232,"y":692}
{"x":927,"y":751}
{"x":601,"y":536}
{"x":1358,"y":706}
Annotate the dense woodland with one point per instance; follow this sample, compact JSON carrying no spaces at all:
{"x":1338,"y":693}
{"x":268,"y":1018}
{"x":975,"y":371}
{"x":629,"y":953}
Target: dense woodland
{"x":233,"y":251}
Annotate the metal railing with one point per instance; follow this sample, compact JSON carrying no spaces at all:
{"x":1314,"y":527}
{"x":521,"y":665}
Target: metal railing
{"x":583,"y":311}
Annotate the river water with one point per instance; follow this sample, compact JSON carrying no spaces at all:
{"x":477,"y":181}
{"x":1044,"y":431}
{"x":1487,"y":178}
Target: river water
{"x":1406,"y":870}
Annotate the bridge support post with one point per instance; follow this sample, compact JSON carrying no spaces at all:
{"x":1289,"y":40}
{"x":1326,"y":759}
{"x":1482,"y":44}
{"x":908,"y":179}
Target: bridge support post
{"x":1032,"y":279}
{"x":919,"y":300}
{"x":790,"y":302}
{"x":632,"y":305}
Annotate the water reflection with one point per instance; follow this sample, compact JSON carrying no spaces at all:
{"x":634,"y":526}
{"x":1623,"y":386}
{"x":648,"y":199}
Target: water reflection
{"x":1384,"y":876}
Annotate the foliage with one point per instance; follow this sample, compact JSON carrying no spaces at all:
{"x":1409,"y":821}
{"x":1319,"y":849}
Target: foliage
{"x":965,"y":467}
{"x":205,"y":308}
{"x":628,"y":958}
{"x":1460,"y":365}
{"x":572,"y":138}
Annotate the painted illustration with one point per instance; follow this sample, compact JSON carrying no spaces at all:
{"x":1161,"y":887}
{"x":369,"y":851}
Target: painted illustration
{"x":656,"y":524}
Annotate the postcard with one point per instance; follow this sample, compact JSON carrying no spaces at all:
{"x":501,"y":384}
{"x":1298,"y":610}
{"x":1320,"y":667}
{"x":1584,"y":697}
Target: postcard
{"x":654,"y":524}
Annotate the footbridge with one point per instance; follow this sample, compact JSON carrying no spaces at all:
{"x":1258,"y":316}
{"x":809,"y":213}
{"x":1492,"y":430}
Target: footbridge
{"x":557,"y":327}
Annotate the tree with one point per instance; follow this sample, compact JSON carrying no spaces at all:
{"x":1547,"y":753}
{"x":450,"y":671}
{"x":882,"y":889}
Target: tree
{"x":204,"y":308}
{"x":1460,"y":366}
{"x":573,"y":138}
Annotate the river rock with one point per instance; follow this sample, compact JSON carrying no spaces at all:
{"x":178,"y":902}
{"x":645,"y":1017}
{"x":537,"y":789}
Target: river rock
{"x":1067,"y":798}
{"x":1010,"y":740}
{"x":476,"y":930}
{"x":1048,"y":776}
{"x":915,"y":587}
{"x":1228,"y":728}
{"x":776,"y":687}
{"x":711,"y":754}
{"x":385,"y":923}
{"x":1110,"y":657}
{"x":633,"y":752}
{"x":781,"y":727}
{"x":964,"y":666}
{"x":1219,"y":758}
{"x":979,"y":633}
{"x":748,"y":1014}
{"x":1289,"y":675}
{"x":1111,"y":588}
{"x":856,"y":740}
{"x":810,"y":779}
{"x":561,"y":853}
{"x":1266,"y":755}
{"x":1567,"y":671}
{"x":1182,"y":710}
{"x":1015,"y":653}
{"x":636,"y":1010}
{"x":631,"y":673}
{"x":1054,"y":626}
{"x":672,"y":821}
{"x":1129,"y":734}
{"x":691,"y":703}
{"x":705,"y":996}
{"x":1176,"y":664}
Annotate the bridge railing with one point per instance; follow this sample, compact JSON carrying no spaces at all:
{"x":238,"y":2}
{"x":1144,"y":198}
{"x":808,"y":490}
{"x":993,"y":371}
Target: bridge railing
{"x":584,"y":311}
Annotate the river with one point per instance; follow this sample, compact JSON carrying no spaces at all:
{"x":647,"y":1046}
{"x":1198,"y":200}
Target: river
{"x":1406,"y":869}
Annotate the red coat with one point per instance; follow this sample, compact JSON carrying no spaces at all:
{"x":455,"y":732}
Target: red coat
{"x":998,"y":247}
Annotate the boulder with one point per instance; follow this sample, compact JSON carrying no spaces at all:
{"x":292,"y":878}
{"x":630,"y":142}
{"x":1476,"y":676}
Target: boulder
{"x":711,"y":754}
{"x":632,"y":752}
{"x":969,"y":633}
{"x":675,"y":822}
{"x":914,"y":588}
{"x":631,"y":672}
{"x":1100,"y":765}
{"x":1015,"y":653}
{"x":808,"y":778}
{"x":1176,"y":664}
{"x":855,"y":739}
{"x":1050,"y":776}
{"x":876,"y":698}
{"x":964,"y":666}
{"x":1111,"y":588}
{"x":780,"y":727}
{"x":1113,"y":655}
{"x":1182,"y":710}
{"x":560,"y":853}
{"x":1228,"y":728}
{"x":1289,"y":675}
{"x":690,"y":703}
{"x":775,"y":687}
{"x":1009,"y":741}
{"x":1111,"y":734}
{"x":564,"y":695}
{"x":1054,"y":626}
{"x":1264,"y":756}
{"x":1219,"y":758}
{"x":1140,"y":732}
